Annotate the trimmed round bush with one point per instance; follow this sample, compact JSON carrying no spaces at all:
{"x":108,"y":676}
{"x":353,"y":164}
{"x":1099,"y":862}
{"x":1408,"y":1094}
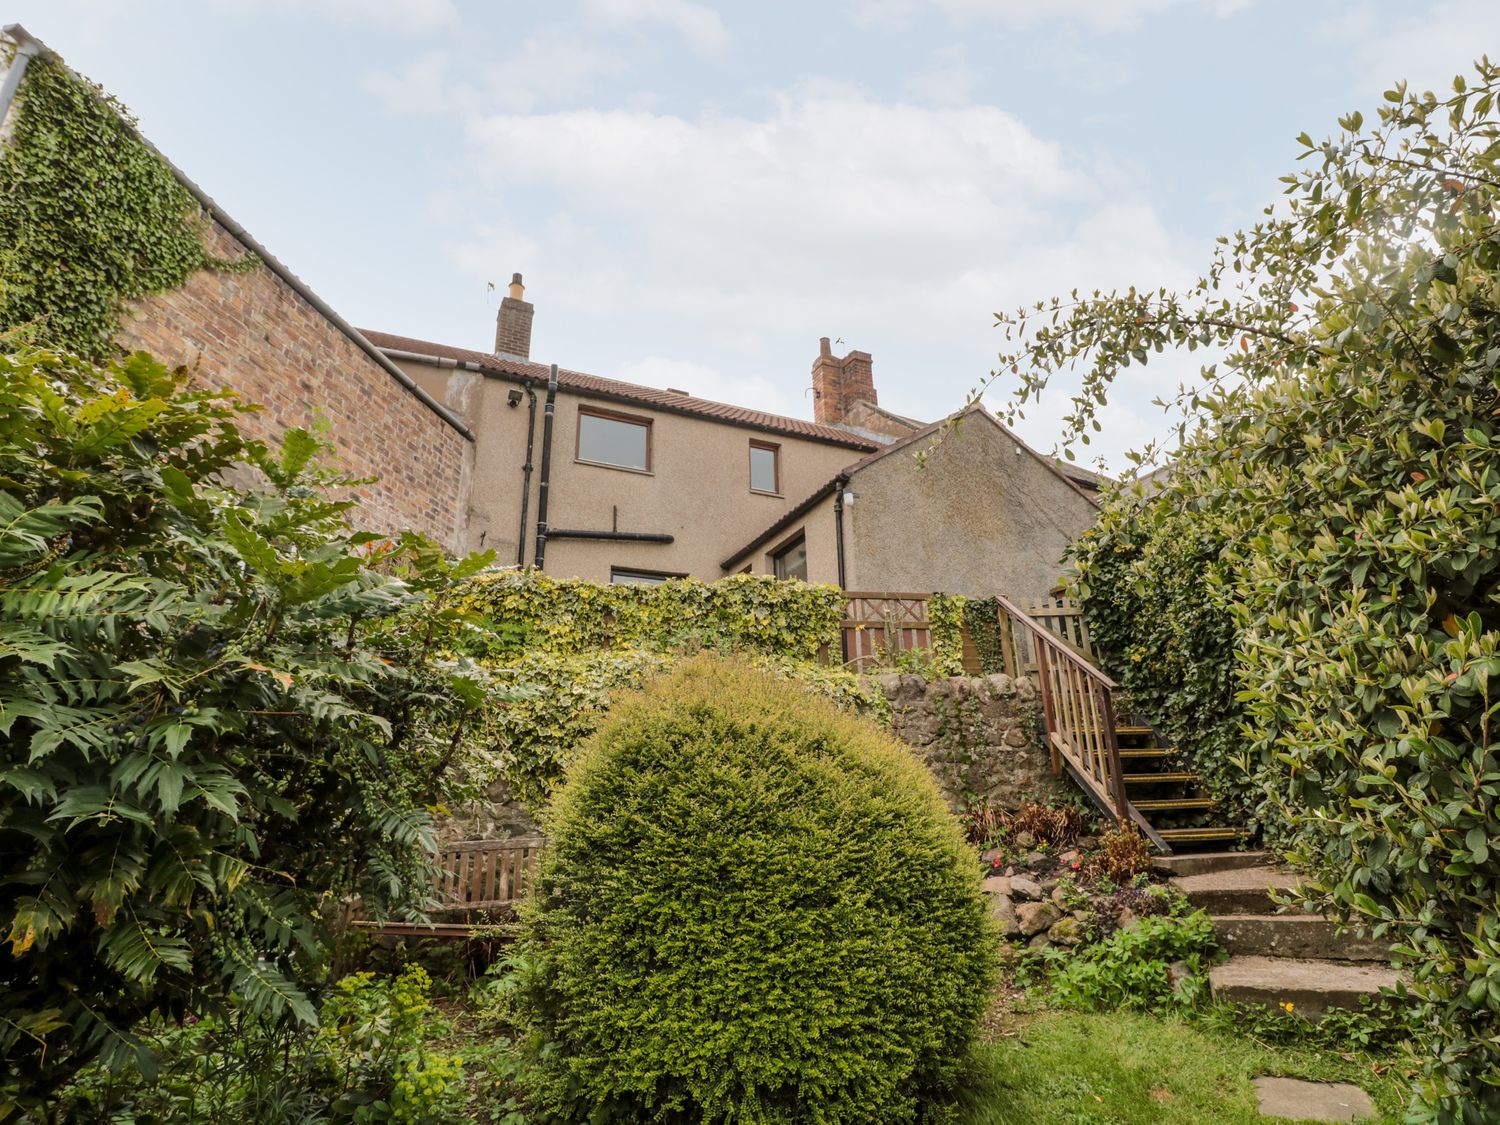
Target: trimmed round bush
{"x":754,"y":908}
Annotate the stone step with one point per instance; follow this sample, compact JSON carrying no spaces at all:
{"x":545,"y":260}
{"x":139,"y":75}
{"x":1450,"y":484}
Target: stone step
{"x":1201,"y":863}
{"x":1246,"y":890}
{"x":1305,"y":936}
{"x":1311,"y":987}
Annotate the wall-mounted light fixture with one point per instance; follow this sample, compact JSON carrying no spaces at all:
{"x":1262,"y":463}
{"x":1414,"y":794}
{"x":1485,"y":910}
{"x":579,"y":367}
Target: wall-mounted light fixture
{"x":849,"y":495}
{"x":514,"y":398}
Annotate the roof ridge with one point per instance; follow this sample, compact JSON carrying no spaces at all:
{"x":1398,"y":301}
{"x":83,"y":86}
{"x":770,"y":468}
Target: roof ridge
{"x":657,"y":397}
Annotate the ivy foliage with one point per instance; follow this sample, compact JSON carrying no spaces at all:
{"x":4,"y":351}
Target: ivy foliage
{"x":945,"y":618}
{"x":796,"y":620}
{"x":90,"y":215}
{"x":1342,"y":493}
{"x":200,"y":746}
{"x":555,"y":652}
{"x":1151,"y":579}
{"x":754,"y":908}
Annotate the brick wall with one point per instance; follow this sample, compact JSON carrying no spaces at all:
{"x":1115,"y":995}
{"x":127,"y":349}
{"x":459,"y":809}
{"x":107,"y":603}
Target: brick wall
{"x":253,"y":332}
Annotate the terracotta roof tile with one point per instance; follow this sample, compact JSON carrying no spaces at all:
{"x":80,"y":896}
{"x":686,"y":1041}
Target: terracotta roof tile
{"x":584,"y":383}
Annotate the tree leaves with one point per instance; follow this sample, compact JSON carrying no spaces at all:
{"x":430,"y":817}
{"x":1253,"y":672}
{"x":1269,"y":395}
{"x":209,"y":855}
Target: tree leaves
{"x":199,"y":745}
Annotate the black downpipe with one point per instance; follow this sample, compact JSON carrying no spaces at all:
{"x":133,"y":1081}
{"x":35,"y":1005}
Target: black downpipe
{"x":526,"y":473}
{"x":541,"y":492}
{"x":838,"y":547}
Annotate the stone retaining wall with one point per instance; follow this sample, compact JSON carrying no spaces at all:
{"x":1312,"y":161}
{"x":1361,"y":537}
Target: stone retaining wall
{"x":977,"y":734}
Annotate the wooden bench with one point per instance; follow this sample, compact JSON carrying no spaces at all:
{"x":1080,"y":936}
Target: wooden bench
{"x":477,"y":886}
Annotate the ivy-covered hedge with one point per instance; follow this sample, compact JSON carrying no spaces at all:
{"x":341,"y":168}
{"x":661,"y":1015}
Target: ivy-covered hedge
{"x":793,"y":620}
{"x":1151,"y":582}
{"x":90,"y":215}
{"x":754,"y":909}
{"x":558,"y":650}
{"x":548,"y":704}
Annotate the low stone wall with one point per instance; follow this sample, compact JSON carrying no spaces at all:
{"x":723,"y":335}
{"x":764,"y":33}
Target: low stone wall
{"x":497,"y":816}
{"x":977,"y":734}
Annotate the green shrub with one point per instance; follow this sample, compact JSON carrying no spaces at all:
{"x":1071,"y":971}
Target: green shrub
{"x":565,"y":616}
{"x":200,"y":746}
{"x":754,"y":908}
{"x":1336,"y":479}
{"x":547,"y":704}
{"x":1130,"y":968}
{"x":370,"y":1061}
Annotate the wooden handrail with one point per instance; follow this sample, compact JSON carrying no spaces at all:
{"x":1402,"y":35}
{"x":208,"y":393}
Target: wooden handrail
{"x":1078,"y":711}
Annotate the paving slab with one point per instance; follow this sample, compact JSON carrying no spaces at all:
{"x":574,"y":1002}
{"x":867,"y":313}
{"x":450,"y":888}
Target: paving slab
{"x":1246,"y":890}
{"x":1202,"y":863}
{"x":1311,"y":987}
{"x":1312,"y":1101}
{"x":1296,"y":935}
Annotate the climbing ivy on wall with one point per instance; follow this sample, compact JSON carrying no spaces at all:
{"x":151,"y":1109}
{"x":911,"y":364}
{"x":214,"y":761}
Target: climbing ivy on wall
{"x":90,"y":215}
{"x":982,"y":618}
{"x":945,"y":619}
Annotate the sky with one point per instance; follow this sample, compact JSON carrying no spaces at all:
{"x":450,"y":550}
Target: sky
{"x":696,"y":192}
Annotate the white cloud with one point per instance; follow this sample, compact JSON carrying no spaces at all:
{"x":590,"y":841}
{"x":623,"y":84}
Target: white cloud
{"x":1099,"y":15}
{"x":699,"y":24}
{"x":412,"y":15}
{"x":897,"y":226}
{"x":1426,"y":48}
{"x":551,"y":65}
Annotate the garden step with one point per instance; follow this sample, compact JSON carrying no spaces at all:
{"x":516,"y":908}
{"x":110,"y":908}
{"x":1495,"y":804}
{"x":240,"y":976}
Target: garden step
{"x":1201,"y":863}
{"x":1243,"y":891}
{"x":1159,"y":778}
{"x":1311,"y":987}
{"x":1305,"y":936}
{"x":1208,"y":834}
{"x":1170,"y":804}
{"x":1135,"y":752}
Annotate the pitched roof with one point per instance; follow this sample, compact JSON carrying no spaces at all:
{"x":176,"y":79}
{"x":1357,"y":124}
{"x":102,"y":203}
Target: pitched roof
{"x":902,"y":443}
{"x":616,"y":390}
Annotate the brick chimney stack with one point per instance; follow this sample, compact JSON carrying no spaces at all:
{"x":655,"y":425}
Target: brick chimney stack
{"x":513,"y":323}
{"x":838,"y":384}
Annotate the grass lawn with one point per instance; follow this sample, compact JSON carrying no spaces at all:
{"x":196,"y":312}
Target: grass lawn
{"x":1064,"y":1068}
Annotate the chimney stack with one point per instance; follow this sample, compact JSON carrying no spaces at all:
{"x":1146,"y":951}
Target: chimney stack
{"x":839,"y":384}
{"x":513,"y":323}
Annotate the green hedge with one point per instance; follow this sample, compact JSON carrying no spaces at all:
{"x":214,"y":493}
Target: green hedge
{"x":758,"y":613}
{"x":754,"y":908}
{"x":1151,"y":582}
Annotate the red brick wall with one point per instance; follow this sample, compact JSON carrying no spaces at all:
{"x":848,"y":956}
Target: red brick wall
{"x":253,"y":332}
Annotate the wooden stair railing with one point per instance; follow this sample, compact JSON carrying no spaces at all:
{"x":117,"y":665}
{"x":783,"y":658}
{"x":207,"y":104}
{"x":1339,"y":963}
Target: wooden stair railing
{"x":1078,"y":712}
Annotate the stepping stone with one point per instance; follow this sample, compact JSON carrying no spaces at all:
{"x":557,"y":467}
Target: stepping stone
{"x":1296,"y":935}
{"x":1311,"y":987}
{"x":1202,"y":863}
{"x":1243,"y":891}
{"x":1312,"y":1101}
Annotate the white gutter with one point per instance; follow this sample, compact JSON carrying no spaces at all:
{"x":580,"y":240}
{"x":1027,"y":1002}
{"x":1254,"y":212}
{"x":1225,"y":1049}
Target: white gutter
{"x":30,"y":47}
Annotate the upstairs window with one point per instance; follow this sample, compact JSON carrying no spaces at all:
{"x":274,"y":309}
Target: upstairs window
{"x":616,"y":440}
{"x":765,"y":467}
{"x":624,"y":576}
{"x":790,"y":561}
